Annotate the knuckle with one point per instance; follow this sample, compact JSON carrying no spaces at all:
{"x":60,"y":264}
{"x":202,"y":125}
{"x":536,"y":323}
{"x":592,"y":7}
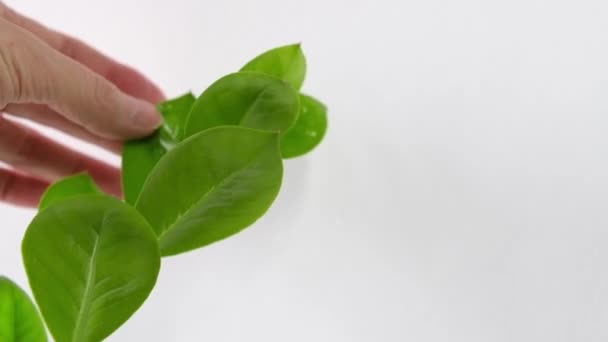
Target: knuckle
{"x":17,"y":143}
{"x":104,"y":95}
{"x":10,"y":74}
{"x":23,"y":148}
{"x":100,"y":104}
{"x":16,"y":59}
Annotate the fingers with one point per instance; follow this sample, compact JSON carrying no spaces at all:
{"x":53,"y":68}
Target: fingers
{"x":33,"y":72}
{"x":19,"y":189}
{"x":126,"y":79}
{"x":59,"y":81}
{"x":27,"y":150}
{"x":48,"y":117}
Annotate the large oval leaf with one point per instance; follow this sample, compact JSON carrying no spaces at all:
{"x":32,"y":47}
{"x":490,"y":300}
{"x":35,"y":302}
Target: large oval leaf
{"x":211,"y":186}
{"x":140,"y":156}
{"x":91,"y":261}
{"x":308,"y":131}
{"x":80,"y":184}
{"x":19,"y":319}
{"x":286,"y":62}
{"x":245,"y":99}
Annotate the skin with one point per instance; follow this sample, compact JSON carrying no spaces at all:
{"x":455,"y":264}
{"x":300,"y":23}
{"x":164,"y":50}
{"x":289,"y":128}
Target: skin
{"x":60,"y":82}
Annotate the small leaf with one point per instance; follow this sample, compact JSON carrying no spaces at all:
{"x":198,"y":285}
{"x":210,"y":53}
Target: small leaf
{"x":91,"y":262}
{"x":286,"y":62}
{"x":140,"y":156}
{"x":19,"y":319}
{"x":80,"y":184}
{"x":245,"y":99}
{"x":211,"y":186}
{"x":308,"y":131}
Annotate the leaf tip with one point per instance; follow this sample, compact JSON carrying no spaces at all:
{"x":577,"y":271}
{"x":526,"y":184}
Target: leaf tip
{"x":298,"y":47}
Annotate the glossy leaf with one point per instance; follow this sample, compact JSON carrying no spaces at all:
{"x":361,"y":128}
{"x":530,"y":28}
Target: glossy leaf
{"x":140,"y":156}
{"x":308,"y":131}
{"x":211,"y":186}
{"x":19,"y":319}
{"x":91,"y":262}
{"x":80,"y":184}
{"x":245,"y":99}
{"x":286,"y":62}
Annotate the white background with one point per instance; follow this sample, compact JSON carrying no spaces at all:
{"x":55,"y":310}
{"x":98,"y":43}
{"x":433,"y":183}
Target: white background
{"x":460,"y":194}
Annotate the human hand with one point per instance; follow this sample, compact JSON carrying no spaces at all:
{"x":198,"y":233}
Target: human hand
{"x":60,"y":82}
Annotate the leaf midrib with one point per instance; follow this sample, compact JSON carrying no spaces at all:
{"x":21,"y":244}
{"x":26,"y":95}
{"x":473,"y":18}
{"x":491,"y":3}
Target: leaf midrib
{"x":79,"y":327}
{"x":292,"y":61}
{"x":255,"y":102}
{"x":206,"y":194}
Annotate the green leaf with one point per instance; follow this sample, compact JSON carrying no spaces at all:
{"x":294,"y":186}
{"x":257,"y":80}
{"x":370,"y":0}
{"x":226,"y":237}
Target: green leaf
{"x":175,"y":113}
{"x":308,"y":131}
{"x":245,"y":99}
{"x":211,"y":186}
{"x":286,"y":62}
{"x":91,"y":262}
{"x":80,"y":184}
{"x":140,"y":156}
{"x":19,"y":319}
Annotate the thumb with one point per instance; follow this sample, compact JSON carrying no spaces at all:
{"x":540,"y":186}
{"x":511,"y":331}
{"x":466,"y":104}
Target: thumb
{"x":40,"y":74}
{"x":99,"y":106}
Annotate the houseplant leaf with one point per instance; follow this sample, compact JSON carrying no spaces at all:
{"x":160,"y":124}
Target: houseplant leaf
{"x":308,"y":131}
{"x":91,"y":261}
{"x":286,"y":62}
{"x":289,"y":64}
{"x":140,"y":156}
{"x":210,"y":186}
{"x":19,"y":319}
{"x":245,"y":99}
{"x":80,"y":184}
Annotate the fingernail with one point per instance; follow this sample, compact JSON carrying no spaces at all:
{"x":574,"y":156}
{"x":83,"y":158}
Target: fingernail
{"x":145,"y":115}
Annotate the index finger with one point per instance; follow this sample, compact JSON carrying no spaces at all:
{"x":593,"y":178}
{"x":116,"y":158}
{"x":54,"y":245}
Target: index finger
{"x":125,"y":78}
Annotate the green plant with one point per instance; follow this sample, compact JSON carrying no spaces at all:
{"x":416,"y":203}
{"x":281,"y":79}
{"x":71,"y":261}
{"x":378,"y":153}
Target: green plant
{"x":211,"y":170}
